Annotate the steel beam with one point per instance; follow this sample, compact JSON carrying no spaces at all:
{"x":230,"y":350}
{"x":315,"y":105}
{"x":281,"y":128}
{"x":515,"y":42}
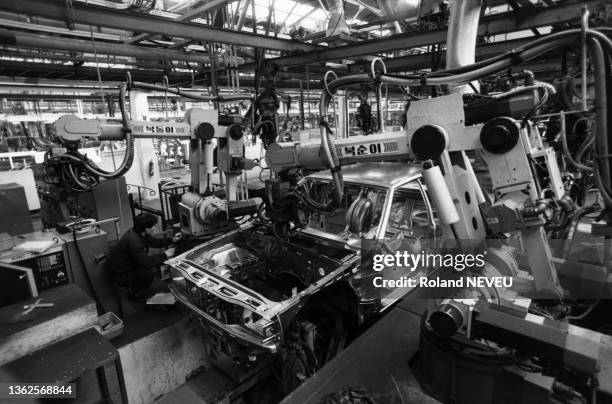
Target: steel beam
{"x":100,"y":16}
{"x":48,"y":97}
{"x":32,"y":41}
{"x":130,"y":63}
{"x":104,"y":32}
{"x":492,"y":25}
{"x":28,"y":26}
{"x":188,"y":16}
{"x":59,"y":71}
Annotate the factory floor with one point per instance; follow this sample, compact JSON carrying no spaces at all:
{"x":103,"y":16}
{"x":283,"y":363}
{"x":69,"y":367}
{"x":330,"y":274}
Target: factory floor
{"x":388,"y":377}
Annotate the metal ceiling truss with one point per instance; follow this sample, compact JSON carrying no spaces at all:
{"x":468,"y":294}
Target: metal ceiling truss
{"x":109,"y":22}
{"x":100,"y":16}
{"x":63,"y":71}
{"x":502,"y":23}
{"x":33,"y":41}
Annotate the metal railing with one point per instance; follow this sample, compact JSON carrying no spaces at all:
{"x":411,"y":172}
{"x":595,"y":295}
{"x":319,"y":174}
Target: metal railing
{"x":137,"y":203}
{"x":169,"y":197}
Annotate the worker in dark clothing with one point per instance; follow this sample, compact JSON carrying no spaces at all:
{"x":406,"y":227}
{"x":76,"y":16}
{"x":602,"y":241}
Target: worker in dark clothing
{"x":364,"y":116}
{"x":130,"y":262}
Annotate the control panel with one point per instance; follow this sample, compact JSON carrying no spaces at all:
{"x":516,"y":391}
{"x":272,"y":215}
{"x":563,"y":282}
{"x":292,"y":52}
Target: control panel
{"x":49,"y":268}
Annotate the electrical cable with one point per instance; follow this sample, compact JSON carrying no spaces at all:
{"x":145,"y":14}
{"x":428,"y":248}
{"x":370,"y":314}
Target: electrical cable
{"x":128,"y":158}
{"x":587,"y":142}
{"x":602,"y":146}
{"x":476,"y":71}
{"x":569,"y":240}
{"x":77,"y":162}
{"x":585,"y":313}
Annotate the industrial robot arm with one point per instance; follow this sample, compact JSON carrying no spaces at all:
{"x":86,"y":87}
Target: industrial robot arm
{"x":443,"y":128}
{"x":205,"y":129}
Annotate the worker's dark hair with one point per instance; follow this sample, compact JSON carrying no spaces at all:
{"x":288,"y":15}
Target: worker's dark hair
{"x":144,"y":221}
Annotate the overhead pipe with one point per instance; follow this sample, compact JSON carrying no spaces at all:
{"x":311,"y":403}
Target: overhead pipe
{"x":337,"y":19}
{"x":26,"y":40}
{"x":403,"y":8}
{"x":397,"y":11}
{"x":461,"y":37}
{"x":130,"y":63}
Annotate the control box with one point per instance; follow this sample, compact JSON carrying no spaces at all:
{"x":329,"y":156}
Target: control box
{"x":49,"y":267}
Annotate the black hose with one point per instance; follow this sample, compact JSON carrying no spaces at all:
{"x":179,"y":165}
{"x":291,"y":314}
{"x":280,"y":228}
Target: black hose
{"x":77,"y":161}
{"x":487,"y":67}
{"x":128,"y":158}
{"x":324,"y":209}
{"x":602,"y":158}
{"x":587,"y":142}
{"x":328,"y":145}
{"x":514,"y":53}
{"x":580,"y":213}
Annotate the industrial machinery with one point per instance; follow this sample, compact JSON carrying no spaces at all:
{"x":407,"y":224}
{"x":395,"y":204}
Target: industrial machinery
{"x":293,"y":281}
{"x":214,"y":138}
{"x":50,"y":269}
{"x":236,"y":286}
{"x":261,"y":291}
{"x":75,"y":257}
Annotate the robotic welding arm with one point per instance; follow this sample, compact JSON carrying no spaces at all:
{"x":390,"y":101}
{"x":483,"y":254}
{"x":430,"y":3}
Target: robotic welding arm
{"x":199,"y":211}
{"x":443,"y":128}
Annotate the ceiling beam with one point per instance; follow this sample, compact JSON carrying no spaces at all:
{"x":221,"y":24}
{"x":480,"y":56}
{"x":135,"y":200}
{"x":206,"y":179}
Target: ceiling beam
{"x":50,"y":23}
{"x":32,"y":41}
{"x":188,"y":16}
{"x":130,"y":62}
{"x":491,"y":25}
{"x":101,"y":16}
{"x":48,"y":97}
{"x":516,"y":6}
{"x":58,"y":71}
{"x":44,"y":84}
{"x":28,"y":26}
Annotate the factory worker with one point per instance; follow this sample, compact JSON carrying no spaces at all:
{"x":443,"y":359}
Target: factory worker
{"x":129,"y":259}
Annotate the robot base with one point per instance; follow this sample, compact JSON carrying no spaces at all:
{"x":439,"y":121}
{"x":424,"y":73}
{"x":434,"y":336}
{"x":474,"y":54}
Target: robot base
{"x":458,"y":370}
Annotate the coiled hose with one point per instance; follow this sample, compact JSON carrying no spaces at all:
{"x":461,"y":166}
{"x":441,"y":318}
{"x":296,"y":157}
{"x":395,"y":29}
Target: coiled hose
{"x":83,"y":173}
{"x":128,"y":158}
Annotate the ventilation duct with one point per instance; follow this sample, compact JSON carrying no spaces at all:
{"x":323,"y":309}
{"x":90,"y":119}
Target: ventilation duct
{"x":337,"y":19}
{"x":409,"y":9}
{"x":461,"y":37}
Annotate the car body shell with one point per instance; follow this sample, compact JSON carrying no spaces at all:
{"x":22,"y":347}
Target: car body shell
{"x":191,"y":278}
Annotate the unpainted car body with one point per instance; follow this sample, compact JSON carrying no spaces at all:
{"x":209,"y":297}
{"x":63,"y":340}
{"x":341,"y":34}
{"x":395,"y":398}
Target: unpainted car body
{"x":248,"y":286}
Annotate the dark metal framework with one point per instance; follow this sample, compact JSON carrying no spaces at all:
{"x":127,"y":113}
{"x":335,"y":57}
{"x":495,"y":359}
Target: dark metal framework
{"x":189,"y":53}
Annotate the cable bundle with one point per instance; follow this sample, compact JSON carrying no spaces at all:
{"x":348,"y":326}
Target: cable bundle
{"x":601,"y":51}
{"x":83,"y":174}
